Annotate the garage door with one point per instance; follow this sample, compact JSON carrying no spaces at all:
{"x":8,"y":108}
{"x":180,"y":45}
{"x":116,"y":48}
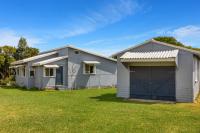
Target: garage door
{"x":155,"y":82}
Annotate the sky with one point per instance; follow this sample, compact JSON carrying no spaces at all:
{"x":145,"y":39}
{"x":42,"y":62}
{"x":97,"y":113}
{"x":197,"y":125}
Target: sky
{"x":101,"y":26}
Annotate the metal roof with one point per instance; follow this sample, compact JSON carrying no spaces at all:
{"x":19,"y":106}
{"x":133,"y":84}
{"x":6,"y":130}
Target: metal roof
{"x":85,"y":51}
{"x":17,"y":66}
{"x":157,"y":42}
{"x":49,"y":61}
{"x":33,"y":58}
{"x":51,"y":66}
{"x":150,"y":55}
{"x":91,"y":62}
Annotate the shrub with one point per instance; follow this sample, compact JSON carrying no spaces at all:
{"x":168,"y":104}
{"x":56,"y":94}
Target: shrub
{"x":7,"y":81}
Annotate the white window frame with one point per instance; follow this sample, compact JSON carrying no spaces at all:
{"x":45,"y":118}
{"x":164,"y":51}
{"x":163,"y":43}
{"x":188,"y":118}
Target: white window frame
{"x":84,"y":67}
{"x":44,"y":72}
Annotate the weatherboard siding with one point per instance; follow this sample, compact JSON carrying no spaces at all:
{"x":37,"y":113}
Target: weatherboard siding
{"x":196,"y":79}
{"x":73,"y":76}
{"x":105,"y":71}
{"x":184,"y":77}
{"x":184,"y":72}
{"x":123,"y":80}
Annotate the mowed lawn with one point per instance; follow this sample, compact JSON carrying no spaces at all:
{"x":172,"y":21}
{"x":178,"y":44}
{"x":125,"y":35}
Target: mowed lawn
{"x":93,"y":110}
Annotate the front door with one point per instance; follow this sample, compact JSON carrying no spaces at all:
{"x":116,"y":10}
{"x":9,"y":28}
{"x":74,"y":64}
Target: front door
{"x":59,"y":76}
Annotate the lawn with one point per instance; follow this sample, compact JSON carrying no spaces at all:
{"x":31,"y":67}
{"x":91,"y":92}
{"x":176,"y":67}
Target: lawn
{"x":94,"y":110}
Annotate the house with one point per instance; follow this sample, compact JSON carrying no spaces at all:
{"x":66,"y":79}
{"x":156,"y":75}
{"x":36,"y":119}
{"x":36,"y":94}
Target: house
{"x":158,"y":71}
{"x":66,"y":68}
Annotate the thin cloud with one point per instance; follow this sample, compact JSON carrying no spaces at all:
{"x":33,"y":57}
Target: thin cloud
{"x":189,"y":35}
{"x":11,"y":37}
{"x":109,"y":14}
{"x":185,"y":31}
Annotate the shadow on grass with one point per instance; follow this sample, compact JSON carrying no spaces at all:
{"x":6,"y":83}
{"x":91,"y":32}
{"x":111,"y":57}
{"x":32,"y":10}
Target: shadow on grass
{"x":19,"y":88}
{"x":113,"y":98}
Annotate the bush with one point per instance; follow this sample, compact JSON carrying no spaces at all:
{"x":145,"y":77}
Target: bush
{"x":7,"y":81}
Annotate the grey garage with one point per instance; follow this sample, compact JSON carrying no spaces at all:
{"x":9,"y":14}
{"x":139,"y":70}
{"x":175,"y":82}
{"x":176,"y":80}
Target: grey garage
{"x":158,"y":71}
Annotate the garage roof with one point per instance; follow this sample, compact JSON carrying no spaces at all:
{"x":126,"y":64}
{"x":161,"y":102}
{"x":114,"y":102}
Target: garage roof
{"x":130,"y":56}
{"x":157,"y":42}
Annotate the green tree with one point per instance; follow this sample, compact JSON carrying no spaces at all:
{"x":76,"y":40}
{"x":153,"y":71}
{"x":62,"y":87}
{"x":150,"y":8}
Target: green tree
{"x":8,"y":54}
{"x":172,"y":40}
{"x":31,"y":52}
{"x":6,"y":57}
{"x":168,"y":39}
{"x":24,"y":51}
{"x":21,"y":49}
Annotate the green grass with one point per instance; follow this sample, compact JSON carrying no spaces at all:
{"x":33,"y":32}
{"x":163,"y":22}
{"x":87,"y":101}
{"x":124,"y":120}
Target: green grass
{"x":91,"y":111}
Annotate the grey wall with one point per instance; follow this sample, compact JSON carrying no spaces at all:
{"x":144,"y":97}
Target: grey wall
{"x":21,"y":80}
{"x":105,"y":71}
{"x":73,"y":72}
{"x":123,"y":80}
{"x":50,"y":82}
{"x":39,"y":81}
{"x":38,"y":77}
{"x":184,"y":73}
{"x":184,"y":77}
{"x":196,"y":81}
{"x":28,"y":81}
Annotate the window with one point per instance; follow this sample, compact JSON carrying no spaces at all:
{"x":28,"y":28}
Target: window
{"x":49,"y":72}
{"x":23,"y":71}
{"x":32,"y":73}
{"x":89,"y":69}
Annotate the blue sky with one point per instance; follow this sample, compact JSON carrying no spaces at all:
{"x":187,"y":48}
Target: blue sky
{"x":102,"y":26}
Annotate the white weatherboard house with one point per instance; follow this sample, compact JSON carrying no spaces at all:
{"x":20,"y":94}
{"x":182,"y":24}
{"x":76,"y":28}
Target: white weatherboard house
{"x":158,"y":71}
{"x":66,"y":68}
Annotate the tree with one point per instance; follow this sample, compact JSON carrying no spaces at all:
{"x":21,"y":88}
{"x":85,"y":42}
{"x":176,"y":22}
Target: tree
{"x":172,"y":40}
{"x":21,"y":49}
{"x":31,"y":52}
{"x":8,"y":54}
{"x":6,"y":57}
{"x":169,"y":39}
{"x":24,"y":51}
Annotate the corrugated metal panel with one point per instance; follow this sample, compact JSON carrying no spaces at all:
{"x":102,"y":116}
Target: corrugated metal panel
{"x":17,"y":66}
{"x":91,"y":62}
{"x":33,"y":58}
{"x":150,"y":55}
{"x":49,"y":61}
{"x":51,"y":66}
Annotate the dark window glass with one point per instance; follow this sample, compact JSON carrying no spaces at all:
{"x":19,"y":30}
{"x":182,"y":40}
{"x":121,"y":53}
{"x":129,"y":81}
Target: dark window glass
{"x":92,"y":69}
{"x":24,"y":72}
{"x":87,"y":68}
{"x":47,"y":72}
{"x":51,"y":72}
{"x":32,"y":73}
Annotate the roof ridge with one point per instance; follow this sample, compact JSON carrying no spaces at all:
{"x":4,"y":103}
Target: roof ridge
{"x":175,"y":45}
{"x":158,"y":42}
